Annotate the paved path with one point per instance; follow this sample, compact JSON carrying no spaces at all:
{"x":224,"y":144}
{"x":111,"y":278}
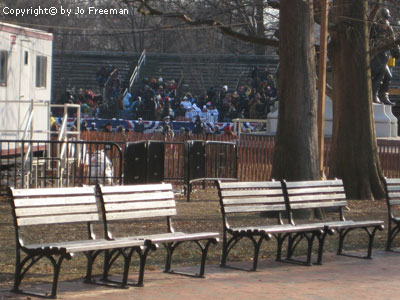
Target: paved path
{"x":338,"y":278}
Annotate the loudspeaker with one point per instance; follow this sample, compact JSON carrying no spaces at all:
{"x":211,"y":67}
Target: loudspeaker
{"x":135,"y":163}
{"x":196,"y":160}
{"x":155,"y":161}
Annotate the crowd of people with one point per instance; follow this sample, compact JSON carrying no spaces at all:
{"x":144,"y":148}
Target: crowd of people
{"x":157,"y":99}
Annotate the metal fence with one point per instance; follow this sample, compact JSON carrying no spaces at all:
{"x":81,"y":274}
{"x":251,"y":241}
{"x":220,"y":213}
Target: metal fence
{"x":255,"y":152}
{"x":74,"y":163}
{"x":44,"y":163}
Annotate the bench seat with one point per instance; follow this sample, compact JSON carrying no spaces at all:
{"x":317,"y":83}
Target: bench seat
{"x":326,"y":194}
{"x":257,"y":199}
{"x":277,"y":197}
{"x":179,"y":237}
{"x":150,"y":202}
{"x":55,"y":206}
{"x":339,"y":224}
{"x":392,"y":189}
{"x":274,"y":229}
{"x":82,"y":246}
{"x":353,"y":224}
{"x":170,"y":237}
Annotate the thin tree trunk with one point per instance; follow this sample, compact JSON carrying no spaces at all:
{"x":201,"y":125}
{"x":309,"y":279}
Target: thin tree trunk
{"x":296,"y":150}
{"x":355,"y":152}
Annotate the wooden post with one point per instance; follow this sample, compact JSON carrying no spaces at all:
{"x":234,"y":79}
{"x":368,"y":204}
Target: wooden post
{"x":322,"y":82}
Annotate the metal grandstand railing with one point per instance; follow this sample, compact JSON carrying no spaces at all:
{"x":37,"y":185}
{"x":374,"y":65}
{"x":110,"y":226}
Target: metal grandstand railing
{"x":135,"y":74}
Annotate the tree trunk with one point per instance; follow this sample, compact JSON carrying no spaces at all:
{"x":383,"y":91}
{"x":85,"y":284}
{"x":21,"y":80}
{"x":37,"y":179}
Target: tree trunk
{"x":354,"y":156}
{"x":296,"y":149}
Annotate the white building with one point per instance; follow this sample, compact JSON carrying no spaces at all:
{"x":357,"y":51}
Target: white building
{"x":25,"y":78}
{"x":386,"y":125}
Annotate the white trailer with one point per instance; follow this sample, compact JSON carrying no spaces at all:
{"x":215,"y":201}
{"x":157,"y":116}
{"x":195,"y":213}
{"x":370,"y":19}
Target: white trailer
{"x":25,"y":82}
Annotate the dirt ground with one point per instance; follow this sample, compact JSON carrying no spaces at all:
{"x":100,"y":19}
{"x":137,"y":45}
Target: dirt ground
{"x":200,"y":214}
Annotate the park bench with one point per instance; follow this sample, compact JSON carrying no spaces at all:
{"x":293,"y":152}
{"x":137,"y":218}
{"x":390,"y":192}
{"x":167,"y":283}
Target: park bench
{"x":39,"y":213}
{"x":392,"y":187}
{"x":261,"y":204}
{"x":329,"y":195}
{"x":143,"y":205}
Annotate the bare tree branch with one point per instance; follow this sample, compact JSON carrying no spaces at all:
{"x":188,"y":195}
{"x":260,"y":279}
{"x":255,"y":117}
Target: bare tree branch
{"x":374,"y":11}
{"x":146,"y":9}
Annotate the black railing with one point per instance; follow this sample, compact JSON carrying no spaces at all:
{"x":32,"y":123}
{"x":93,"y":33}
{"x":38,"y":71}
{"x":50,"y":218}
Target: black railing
{"x":58,"y":163}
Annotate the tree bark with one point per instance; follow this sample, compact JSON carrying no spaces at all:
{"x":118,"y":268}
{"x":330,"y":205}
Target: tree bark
{"x":354,"y":156}
{"x":296,"y":148}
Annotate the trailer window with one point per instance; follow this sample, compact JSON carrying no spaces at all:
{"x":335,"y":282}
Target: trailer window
{"x":3,"y":67}
{"x":26,"y":58}
{"x":41,"y":71}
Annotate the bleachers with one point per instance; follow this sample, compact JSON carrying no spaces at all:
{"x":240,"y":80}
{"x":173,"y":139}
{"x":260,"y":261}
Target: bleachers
{"x":78,"y":69}
{"x":201,"y":72}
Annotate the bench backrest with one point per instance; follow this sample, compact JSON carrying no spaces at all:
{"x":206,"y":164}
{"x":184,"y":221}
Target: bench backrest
{"x":250,"y":197}
{"x":315,"y":194}
{"x":392,"y":188}
{"x":130,"y":202}
{"x":53,"y":205}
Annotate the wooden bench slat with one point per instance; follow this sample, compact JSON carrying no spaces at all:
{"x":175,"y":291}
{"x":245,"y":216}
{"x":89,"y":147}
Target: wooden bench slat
{"x":65,"y":200}
{"x":24,"y":221}
{"x":136,"y":188}
{"x":318,"y":204}
{"x":393,"y":188}
{"x":63,"y":244}
{"x":353,"y":224}
{"x":254,"y":208}
{"x":104,"y":245}
{"x":394,"y":195}
{"x":47,"y":192}
{"x":317,"y":198}
{"x":394,"y":202}
{"x":319,"y":190}
{"x":141,"y":214}
{"x":179,"y":237}
{"x":253,"y":200}
{"x":249,"y":184}
{"x":139,"y":205}
{"x":173,"y":236}
{"x":55,"y":210}
{"x":87,"y":245}
{"x":138,"y":197}
{"x":244,"y":193}
{"x":313,"y":183}
{"x":393,"y":181}
{"x":274,"y":229}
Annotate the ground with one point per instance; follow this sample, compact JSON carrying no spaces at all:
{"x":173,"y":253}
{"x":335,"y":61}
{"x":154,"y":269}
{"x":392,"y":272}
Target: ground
{"x":200,"y":214}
